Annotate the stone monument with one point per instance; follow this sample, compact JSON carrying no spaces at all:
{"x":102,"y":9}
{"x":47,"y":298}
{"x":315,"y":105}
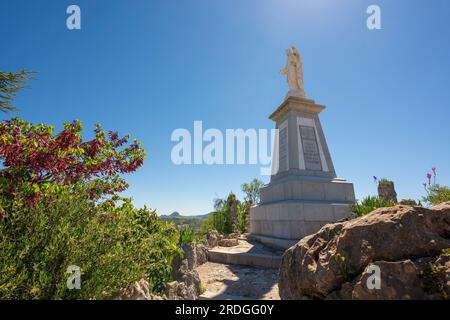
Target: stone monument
{"x":304,"y":193}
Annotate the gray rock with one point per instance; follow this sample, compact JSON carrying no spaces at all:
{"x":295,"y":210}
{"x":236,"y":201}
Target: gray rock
{"x":401,"y":240}
{"x":180,"y":291}
{"x":202,"y":255}
{"x":138,"y":291}
{"x":386,"y":191}
{"x":228,"y":242}
{"x":212,"y":238}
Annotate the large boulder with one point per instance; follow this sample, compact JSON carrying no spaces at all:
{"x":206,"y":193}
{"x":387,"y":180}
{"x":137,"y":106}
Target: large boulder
{"x":405,"y":242}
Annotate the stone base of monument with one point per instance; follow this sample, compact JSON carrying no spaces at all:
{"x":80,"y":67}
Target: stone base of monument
{"x":299,"y":206}
{"x":281,"y":225}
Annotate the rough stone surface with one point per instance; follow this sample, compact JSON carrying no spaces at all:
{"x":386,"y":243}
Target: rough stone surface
{"x":234,"y":235}
{"x":229,"y":242}
{"x":386,"y":191}
{"x":202,"y":254}
{"x":186,"y":284}
{"x":401,"y":240}
{"x":190,"y":253}
{"x":240,"y":282}
{"x":408,"y":202}
{"x":232,"y":202}
{"x":139,"y":291}
{"x":212,"y":238}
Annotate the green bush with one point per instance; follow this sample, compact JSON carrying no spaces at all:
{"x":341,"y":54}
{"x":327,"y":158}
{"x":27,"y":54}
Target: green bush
{"x":243,"y":212}
{"x":186,"y":235}
{"x":221,"y":221}
{"x":114,"y":247}
{"x":369,"y":204}
{"x":437,"y":194}
{"x":384,"y":181}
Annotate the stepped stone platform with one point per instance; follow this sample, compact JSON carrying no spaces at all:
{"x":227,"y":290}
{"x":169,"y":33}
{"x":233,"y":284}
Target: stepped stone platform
{"x":238,"y":282}
{"x":247,"y":253}
{"x":248,"y":271}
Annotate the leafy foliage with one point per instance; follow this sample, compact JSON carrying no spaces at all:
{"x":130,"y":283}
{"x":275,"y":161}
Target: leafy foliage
{"x":252,"y":191}
{"x":10,"y":83}
{"x":114,"y":247}
{"x":220,"y":219}
{"x":369,"y":204}
{"x":34,"y":158}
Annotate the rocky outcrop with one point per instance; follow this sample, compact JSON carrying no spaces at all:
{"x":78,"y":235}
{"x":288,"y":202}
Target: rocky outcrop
{"x":408,"y":202}
{"x":212,"y":238}
{"x":195,"y":254}
{"x":386,"y":191}
{"x":202,"y":254}
{"x":186,"y":283}
{"x":405,"y":242}
{"x":180,"y":291}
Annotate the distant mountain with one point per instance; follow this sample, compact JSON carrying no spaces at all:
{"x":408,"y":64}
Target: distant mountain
{"x":177,"y":215}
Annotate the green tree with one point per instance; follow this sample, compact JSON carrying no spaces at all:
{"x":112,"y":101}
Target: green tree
{"x":435,"y":193}
{"x":10,"y":83}
{"x":252,"y":191}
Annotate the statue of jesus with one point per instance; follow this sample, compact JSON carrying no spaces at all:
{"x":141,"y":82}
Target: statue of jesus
{"x":294,"y":73}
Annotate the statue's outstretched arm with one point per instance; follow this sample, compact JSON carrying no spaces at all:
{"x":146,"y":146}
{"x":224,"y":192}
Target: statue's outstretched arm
{"x":283,"y":71}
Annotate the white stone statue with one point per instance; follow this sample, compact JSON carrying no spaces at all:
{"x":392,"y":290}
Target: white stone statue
{"x":294,"y":73}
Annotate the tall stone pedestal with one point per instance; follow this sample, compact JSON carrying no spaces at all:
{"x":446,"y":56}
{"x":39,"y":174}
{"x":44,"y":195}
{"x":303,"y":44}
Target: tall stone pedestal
{"x":304,"y":193}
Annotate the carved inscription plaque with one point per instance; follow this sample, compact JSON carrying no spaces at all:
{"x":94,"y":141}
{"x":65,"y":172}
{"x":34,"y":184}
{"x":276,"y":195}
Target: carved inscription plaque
{"x":310,"y":148}
{"x":283,"y":150}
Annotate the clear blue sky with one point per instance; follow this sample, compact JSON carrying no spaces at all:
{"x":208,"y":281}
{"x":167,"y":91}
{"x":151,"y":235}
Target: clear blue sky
{"x":149,"y":67}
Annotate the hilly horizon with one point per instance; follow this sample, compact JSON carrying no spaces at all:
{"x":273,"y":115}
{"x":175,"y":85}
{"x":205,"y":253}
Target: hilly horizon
{"x":177,"y":215}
